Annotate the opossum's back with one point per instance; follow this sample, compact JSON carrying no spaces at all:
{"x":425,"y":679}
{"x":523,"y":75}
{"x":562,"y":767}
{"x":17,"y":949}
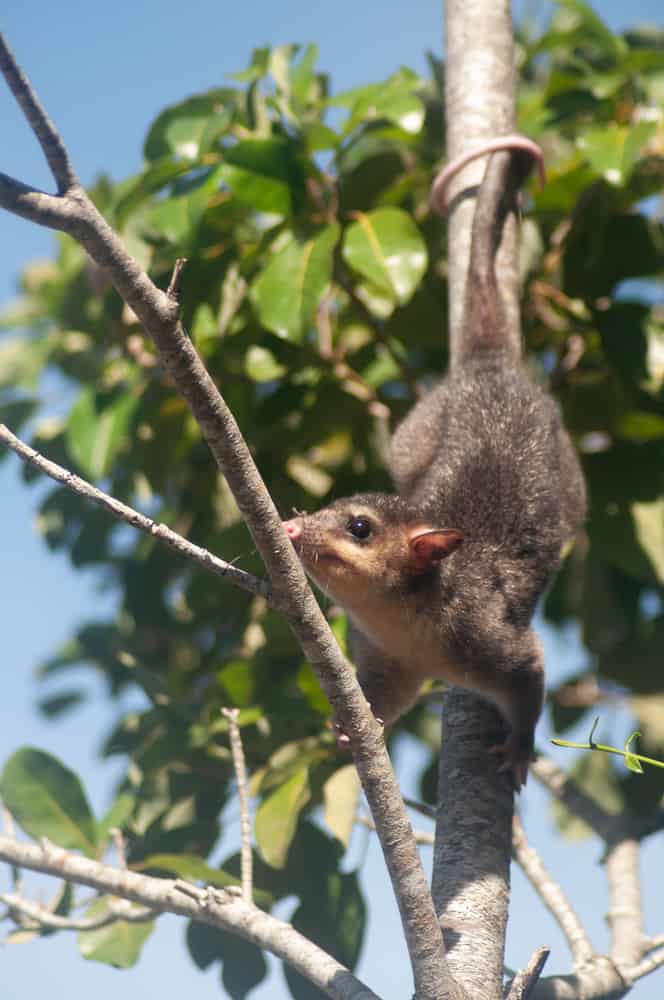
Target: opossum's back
{"x":482,"y":451}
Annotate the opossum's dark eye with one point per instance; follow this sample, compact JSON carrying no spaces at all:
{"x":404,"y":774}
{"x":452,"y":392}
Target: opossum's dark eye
{"x":360,"y":527}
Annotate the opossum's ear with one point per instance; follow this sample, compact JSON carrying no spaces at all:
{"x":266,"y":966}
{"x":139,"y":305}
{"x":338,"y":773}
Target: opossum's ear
{"x":429,"y":545}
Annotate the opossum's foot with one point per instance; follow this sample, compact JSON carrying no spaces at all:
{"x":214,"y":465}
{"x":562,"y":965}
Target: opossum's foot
{"x":518,"y":754}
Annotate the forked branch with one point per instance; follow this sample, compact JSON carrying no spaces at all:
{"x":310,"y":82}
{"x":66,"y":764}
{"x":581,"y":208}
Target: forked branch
{"x":219,"y":908}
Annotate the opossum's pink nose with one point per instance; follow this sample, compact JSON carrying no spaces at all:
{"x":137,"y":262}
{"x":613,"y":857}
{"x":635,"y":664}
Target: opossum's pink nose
{"x":293,"y":529}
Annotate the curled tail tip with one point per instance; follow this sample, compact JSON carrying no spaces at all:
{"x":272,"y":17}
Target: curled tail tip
{"x":514,"y":143}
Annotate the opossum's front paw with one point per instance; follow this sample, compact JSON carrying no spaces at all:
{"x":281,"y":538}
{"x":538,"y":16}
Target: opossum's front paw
{"x":517,"y":753}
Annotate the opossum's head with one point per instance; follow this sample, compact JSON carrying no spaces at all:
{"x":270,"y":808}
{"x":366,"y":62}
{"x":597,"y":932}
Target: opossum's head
{"x":368,"y":544}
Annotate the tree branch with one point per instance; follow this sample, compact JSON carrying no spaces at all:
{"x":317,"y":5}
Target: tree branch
{"x":523,"y":984}
{"x":246,"y":862}
{"x":625,"y":914}
{"x":158,"y":313}
{"x":479,"y":107}
{"x":552,"y":895}
{"x":647,"y":966}
{"x":52,"y":145}
{"x":215,"y":907}
{"x":130,"y":516}
{"x":41,"y":916}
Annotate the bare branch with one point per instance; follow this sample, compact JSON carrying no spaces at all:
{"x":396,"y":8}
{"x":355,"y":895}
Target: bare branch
{"x":215,"y":907}
{"x":125,"y":513}
{"x":524,"y":982}
{"x":625,"y":915}
{"x":41,"y":916}
{"x":49,"y":140}
{"x":646,"y":966}
{"x":552,"y":895}
{"x":480,"y":107}
{"x":599,"y":980}
{"x":653,"y":943}
{"x":159,"y":315}
{"x":232,"y":714}
{"x":175,"y":284}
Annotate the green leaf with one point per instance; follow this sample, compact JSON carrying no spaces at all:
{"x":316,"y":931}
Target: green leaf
{"x":289,"y":759}
{"x":59,"y":704}
{"x":288,"y":291}
{"x":309,"y":685}
{"x":261,"y":173}
{"x":61,"y":905}
{"x":393,"y":99}
{"x":586,"y":22}
{"x":333,"y":913}
{"x":302,"y":75}
{"x":614,"y":150}
{"x":386,"y":247}
{"x":261,"y":365}
{"x":649,"y":526}
{"x":119,"y":944}
{"x":183,"y":129}
{"x":14,"y":414}
{"x":341,"y":794}
{"x":188,"y":866}
{"x":632,"y":762}
{"x":21,"y":361}
{"x":116,"y":816}
{"x":277,"y":816}
{"x":135,"y":190}
{"x":177,"y":218}
{"x":48,"y":800}
{"x":243,"y":964}
{"x":98,"y":430}
{"x":257,"y":68}
{"x":195,"y":869}
{"x":640,"y":426}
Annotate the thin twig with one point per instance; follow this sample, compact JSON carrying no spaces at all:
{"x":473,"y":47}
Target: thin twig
{"x":646,"y":966}
{"x":120,"y":844}
{"x":232,"y":714}
{"x":421,"y":836}
{"x":653,"y":943}
{"x":625,"y":913}
{"x":175,"y":285}
{"x":525,"y":980}
{"x":552,"y":895}
{"x":421,"y":807}
{"x":137,"y":520}
{"x":41,"y":916}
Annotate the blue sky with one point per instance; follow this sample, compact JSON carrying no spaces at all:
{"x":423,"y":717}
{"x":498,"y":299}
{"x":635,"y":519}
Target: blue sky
{"x":104,"y":71}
